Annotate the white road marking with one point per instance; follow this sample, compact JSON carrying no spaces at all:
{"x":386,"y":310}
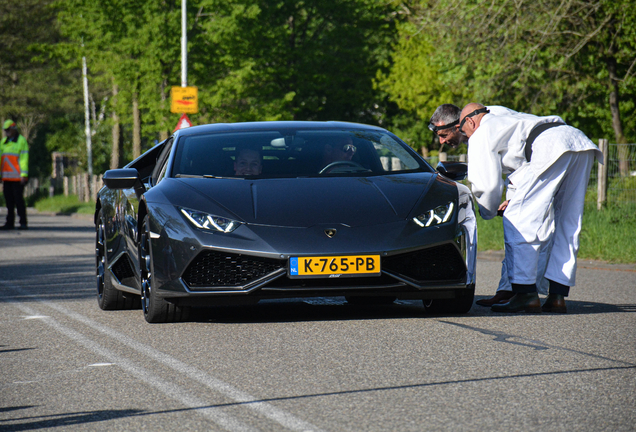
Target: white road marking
{"x":282,"y":417}
{"x":171,"y":390}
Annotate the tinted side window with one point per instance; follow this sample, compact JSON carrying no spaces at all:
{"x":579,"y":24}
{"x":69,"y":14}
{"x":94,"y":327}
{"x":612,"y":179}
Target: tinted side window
{"x":145,"y":163}
{"x":162,"y":160}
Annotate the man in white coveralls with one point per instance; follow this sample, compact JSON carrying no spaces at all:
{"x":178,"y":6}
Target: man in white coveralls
{"x":550,"y":178}
{"x":445,"y":124}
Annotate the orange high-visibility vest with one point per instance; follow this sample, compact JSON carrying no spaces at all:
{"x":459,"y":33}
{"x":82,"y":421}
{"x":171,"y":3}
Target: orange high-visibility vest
{"x":14,"y":163}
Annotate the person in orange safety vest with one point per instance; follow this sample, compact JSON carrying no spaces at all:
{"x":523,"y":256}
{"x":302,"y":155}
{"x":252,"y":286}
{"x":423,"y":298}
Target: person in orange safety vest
{"x":14,"y":171}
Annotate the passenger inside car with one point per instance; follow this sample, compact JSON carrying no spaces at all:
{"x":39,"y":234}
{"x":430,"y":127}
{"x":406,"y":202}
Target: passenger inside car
{"x":248,"y":162}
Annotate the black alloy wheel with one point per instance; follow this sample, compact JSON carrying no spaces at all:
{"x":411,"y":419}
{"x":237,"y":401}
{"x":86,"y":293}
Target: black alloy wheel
{"x":108,"y":297}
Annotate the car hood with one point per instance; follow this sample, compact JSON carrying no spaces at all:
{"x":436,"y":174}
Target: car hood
{"x":305,"y":202}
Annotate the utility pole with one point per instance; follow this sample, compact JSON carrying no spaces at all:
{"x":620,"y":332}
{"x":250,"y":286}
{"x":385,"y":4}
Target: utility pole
{"x":184,"y":45}
{"x":87,"y":121}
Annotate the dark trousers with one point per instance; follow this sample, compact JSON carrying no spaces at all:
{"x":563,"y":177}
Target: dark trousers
{"x":13,"y":195}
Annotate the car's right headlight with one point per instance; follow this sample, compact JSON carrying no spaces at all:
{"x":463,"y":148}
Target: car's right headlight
{"x":210,"y":222}
{"x":436,"y":216}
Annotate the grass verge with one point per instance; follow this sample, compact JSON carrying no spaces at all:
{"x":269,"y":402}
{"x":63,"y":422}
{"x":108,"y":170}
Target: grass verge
{"x":61,"y":204}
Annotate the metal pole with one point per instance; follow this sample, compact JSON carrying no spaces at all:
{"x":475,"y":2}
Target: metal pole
{"x":87,"y":120}
{"x":603,"y":145}
{"x":184,"y":46}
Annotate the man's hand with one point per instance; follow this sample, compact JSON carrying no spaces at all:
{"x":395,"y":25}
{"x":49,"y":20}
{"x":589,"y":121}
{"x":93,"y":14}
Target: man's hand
{"x":502,"y":208}
{"x":24,"y":180}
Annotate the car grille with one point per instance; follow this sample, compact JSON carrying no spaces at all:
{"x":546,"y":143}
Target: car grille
{"x":436,"y":264}
{"x":214,"y":269}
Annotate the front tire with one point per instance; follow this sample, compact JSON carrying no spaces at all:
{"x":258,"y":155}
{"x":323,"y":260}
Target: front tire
{"x":155,"y":308}
{"x":458,"y":305}
{"x":108,"y":297}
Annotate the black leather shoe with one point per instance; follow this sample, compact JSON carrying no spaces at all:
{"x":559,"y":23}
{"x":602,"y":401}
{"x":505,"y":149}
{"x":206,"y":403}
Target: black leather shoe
{"x":528,"y":302}
{"x":554,"y":303}
{"x":6,"y":227}
{"x":500,"y":297}
{"x":23,"y":227}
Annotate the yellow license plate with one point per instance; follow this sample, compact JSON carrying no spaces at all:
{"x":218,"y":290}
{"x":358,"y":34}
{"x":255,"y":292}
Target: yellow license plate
{"x":334,"y":266}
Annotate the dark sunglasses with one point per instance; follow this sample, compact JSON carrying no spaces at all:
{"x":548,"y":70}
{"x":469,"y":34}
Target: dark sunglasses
{"x":434,"y":128}
{"x":349,"y":147}
{"x":472,"y":114}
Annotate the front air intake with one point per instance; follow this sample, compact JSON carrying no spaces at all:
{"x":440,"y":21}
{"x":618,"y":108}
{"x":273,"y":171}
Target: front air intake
{"x":436,"y":264}
{"x":219,"y":269}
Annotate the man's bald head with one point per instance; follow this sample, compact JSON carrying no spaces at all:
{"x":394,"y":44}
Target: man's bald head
{"x":470,"y":118}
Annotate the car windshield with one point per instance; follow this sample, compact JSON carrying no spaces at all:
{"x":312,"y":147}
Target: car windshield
{"x":300,"y":153}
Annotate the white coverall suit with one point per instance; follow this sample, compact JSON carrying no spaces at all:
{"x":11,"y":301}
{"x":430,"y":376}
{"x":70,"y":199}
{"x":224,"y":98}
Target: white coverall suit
{"x":549,"y":190}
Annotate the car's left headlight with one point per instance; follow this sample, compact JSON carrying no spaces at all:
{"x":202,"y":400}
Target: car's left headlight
{"x":210,"y":222}
{"x":437,"y":216}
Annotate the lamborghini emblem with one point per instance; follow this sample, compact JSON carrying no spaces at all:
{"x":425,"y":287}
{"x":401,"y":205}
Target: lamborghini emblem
{"x":330,"y":232}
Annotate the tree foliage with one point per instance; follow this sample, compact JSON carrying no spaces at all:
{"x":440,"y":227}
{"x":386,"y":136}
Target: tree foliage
{"x":575,"y":58}
{"x":309,"y":60}
{"x":35,"y":88}
{"x":373,"y":61}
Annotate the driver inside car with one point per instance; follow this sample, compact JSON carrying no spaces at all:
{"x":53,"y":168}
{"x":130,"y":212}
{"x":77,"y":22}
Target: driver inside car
{"x":341,"y":149}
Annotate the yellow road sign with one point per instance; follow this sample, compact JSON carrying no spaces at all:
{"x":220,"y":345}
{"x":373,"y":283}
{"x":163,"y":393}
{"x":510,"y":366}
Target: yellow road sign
{"x":184,"y":100}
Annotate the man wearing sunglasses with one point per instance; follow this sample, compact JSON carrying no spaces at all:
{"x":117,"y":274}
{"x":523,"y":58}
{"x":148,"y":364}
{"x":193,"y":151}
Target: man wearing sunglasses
{"x":549,"y":164}
{"x":341,"y":149}
{"x":444,"y":123}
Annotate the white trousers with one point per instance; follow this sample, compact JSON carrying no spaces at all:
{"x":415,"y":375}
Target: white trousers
{"x":542,"y":283}
{"x":544,"y":253}
{"x":544,"y":208}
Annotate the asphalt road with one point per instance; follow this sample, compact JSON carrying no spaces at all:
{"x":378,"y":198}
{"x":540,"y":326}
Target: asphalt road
{"x":300,"y":365}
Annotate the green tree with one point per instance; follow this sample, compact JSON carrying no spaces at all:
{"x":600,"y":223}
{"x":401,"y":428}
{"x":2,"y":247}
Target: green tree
{"x":35,"y":86}
{"x":132,"y":48}
{"x":572,"y":58}
{"x":311,"y":60}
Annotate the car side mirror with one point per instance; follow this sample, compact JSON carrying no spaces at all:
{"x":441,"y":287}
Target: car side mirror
{"x":453,"y":170}
{"x":124,"y":178}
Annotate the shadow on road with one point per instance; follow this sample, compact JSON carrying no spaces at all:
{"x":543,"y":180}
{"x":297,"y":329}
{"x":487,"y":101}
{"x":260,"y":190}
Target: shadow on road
{"x":574,"y":308}
{"x":326,"y":309}
{"x":54,"y":229}
{"x":62,"y":420}
{"x":68,"y":278}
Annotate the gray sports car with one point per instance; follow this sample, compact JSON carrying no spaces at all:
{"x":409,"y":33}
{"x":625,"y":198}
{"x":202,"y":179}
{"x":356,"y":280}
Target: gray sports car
{"x":234,"y":213}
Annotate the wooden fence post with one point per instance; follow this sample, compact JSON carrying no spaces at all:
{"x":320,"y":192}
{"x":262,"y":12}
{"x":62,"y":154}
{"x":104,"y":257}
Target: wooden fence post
{"x":87,"y":187}
{"x":603,"y":145}
{"x":95,"y":187}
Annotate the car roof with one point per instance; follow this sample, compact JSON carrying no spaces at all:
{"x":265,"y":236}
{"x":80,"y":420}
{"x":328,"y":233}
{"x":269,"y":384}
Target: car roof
{"x":275,"y":125}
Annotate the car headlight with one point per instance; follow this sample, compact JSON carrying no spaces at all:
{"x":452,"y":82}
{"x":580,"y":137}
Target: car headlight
{"x":437,"y":216}
{"x":210,"y":222}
